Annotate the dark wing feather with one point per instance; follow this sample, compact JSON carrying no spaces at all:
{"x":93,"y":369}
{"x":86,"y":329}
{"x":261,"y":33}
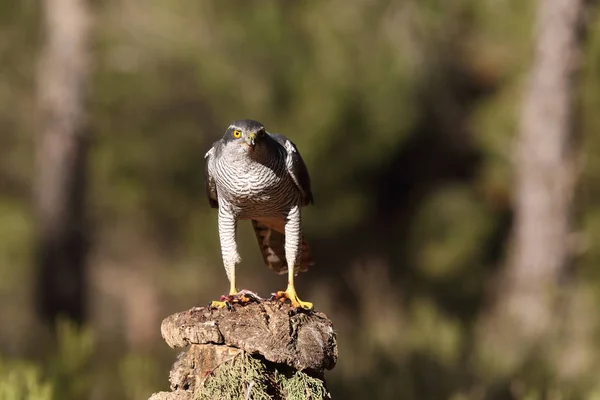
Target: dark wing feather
{"x":298,"y":170}
{"x":271,"y":239}
{"x":209,"y":182}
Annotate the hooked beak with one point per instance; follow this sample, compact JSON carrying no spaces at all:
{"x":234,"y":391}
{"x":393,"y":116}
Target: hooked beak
{"x":251,"y":139}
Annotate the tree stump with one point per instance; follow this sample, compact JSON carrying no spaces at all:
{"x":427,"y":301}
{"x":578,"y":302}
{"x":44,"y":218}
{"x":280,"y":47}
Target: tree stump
{"x":257,"y":350}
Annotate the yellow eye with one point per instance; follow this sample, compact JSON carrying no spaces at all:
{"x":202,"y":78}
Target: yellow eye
{"x":237,"y":134}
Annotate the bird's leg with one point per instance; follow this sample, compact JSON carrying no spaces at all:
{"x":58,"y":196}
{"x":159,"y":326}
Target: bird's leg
{"x":227,"y":231}
{"x":293,"y":238}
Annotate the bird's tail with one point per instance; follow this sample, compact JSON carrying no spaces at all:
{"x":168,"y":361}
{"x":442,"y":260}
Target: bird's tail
{"x":271,"y":240}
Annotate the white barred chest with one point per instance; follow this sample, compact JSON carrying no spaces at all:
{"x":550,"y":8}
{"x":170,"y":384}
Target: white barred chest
{"x":254,"y":188}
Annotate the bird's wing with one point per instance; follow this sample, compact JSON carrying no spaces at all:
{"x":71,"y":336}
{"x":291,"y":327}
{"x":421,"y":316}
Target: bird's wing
{"x":209,"y":180}
{"x":296,"y":168}
{"x":271,"y":239}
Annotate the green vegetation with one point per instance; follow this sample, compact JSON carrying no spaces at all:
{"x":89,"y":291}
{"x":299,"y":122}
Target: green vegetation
{"x":22,"y":381}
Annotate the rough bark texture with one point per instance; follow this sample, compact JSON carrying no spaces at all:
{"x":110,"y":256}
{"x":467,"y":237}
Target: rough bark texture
{"x":194,"y":365}
{"x":545,"y":175}
{"x":280,"y":351}
{"x":61,"y":158}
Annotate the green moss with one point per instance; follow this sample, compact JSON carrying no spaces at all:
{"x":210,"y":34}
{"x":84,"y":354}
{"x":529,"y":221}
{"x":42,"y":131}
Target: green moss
{"x":248,"y":377}
{"x":301,"y":386}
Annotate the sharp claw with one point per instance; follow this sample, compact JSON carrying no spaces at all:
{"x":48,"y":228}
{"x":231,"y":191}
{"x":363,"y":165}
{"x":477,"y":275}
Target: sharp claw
{"x":220,"y":304}
{"x":293,"y":298}
{"x":242,"y":297}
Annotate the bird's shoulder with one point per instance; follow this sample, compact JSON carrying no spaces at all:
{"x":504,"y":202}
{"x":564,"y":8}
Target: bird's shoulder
{"x":282,"y":140}
{"x":215,"y":150}
{"x":211,"y":190}
{"x":298,"y":170}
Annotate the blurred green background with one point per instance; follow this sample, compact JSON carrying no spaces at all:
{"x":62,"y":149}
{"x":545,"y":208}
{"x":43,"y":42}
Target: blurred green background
{"x":405,"y":113}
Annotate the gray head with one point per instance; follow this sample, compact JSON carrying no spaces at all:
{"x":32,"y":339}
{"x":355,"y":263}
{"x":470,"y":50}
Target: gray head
{"x":248,"y":134}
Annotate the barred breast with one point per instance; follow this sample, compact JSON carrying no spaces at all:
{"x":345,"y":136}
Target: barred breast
{"x":255,"y":189}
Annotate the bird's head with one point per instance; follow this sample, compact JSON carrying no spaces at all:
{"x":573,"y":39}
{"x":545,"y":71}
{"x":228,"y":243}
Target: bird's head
{"x":247,"y":134}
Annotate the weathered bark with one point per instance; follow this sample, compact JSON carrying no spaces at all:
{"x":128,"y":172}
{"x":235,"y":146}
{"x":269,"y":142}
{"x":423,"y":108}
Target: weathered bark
{"x":61,"y":159}
{"x":545,"y":172}
{"x":278,"y":349}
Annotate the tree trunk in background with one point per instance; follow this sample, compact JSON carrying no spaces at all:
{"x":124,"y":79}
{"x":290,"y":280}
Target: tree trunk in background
{"x":61,"y":160}
{"x":545,"y":170}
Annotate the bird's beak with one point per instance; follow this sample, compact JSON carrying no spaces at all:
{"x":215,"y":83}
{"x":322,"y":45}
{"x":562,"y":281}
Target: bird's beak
{"x":251,"y":139}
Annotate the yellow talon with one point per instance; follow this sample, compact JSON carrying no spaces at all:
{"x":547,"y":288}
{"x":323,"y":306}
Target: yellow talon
{"x":290,"y":293}
{"x":218,"y":304}
{"x":235,"y":296}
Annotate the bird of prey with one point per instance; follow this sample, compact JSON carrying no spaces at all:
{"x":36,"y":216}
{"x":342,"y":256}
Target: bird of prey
{"x":251,"y":174}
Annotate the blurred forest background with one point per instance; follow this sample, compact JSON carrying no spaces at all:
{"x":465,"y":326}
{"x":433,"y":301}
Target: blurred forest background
{"x":448,"y":269}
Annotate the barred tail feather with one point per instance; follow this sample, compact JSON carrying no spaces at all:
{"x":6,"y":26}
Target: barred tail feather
{"x":271,"y":241}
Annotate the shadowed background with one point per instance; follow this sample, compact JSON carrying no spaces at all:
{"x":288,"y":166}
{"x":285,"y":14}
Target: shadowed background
{"x":406,"y":114}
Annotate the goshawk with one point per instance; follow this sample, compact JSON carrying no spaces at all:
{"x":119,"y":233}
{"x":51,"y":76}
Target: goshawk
{"x":251,"y":174}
